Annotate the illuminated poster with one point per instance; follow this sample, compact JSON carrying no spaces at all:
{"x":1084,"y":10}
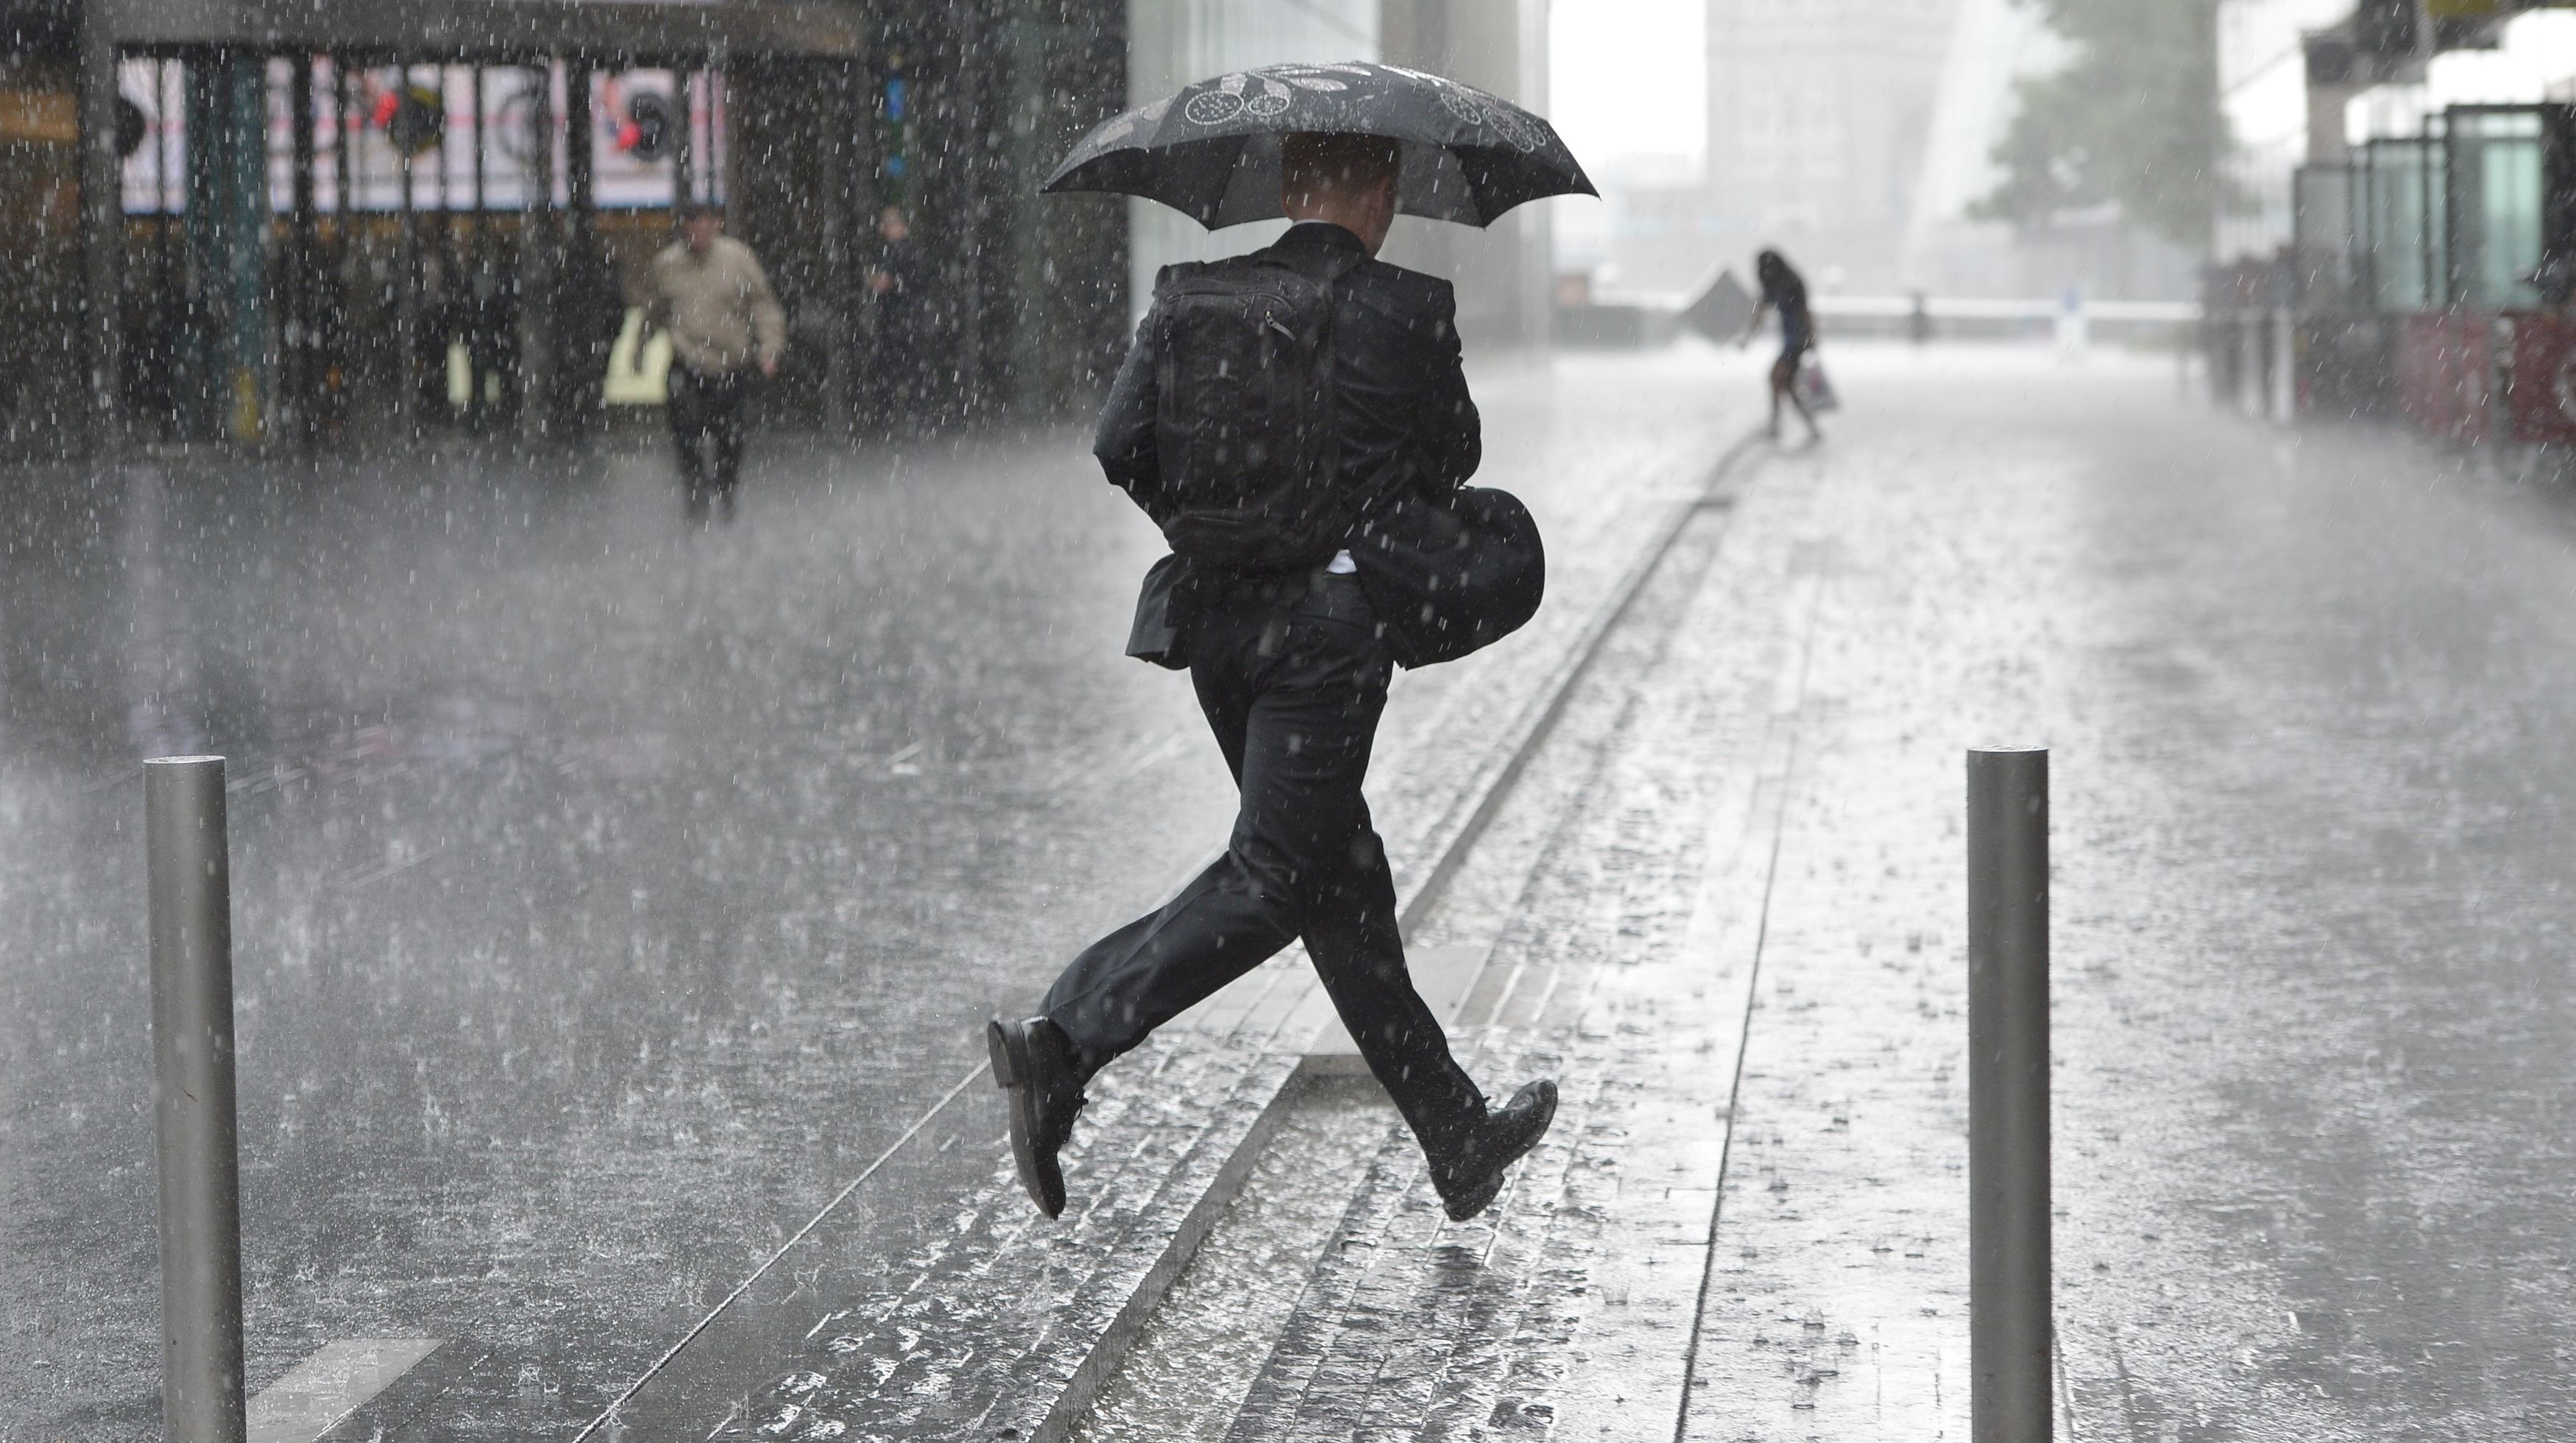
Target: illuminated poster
{"x":431,"y":117}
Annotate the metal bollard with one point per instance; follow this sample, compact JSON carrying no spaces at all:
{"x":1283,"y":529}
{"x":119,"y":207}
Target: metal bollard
{"x":2010,"y":1310}
{"x":192,"y":1053}
{"x":2285,"y":366}
{"x":2250,"y":354}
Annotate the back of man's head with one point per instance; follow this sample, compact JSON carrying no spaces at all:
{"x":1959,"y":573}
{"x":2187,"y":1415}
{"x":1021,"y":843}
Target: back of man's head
{"x":1323,"y":166}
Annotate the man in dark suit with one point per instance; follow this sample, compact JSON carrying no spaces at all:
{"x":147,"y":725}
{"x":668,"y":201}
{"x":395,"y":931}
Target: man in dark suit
{"x":1292,"y":673}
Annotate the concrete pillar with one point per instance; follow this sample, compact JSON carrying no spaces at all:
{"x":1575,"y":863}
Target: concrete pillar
{"x":540,"y":262}
{"x":2337,"y":68}
{"x":2250,"y":350}
{"x":1502,"y":272}
{"x":2285,"y":365}
{"x":102,"y":228}
{"x":585,"y":279}
{"x":299,"y":370}
{"x":246,"y":193}
{"x":849,"y":229}
{"x":2327,"y":144}
{"x":227,"y":228}
{"x":407,"y":315}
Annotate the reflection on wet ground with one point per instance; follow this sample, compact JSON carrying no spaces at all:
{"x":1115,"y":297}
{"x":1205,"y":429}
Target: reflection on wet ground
{"x":1211,"y":1336}
{"x":2305,"y":695}
{"x":2318,"y":960}
{"x":612,"y":895}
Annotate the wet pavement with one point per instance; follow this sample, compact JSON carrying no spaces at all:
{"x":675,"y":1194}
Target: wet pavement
{"x":2305,"y":696}
{"x":611,"y":898}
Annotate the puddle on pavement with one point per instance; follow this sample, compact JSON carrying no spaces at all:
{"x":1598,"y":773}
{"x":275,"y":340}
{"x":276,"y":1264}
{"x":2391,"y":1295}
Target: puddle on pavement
{"x":1207,"y":1342}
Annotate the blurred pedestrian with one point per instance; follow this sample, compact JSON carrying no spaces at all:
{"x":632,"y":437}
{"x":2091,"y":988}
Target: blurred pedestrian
{"x":900,"y":284}
{"x":1785,"y":291}
{"x":490,"y":299}
{"x":590,"y":312}
{"x":709,"y":293}
{"x":2554,"y":279}
{"x":2074,"y":333}
{"x":1343,"y":372}
{"x":441,"y":313}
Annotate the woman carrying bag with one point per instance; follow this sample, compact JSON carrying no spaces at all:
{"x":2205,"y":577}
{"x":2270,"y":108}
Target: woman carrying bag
{"x":1795,"y":377}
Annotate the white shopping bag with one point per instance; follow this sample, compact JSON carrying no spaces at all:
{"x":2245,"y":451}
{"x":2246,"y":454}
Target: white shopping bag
{"x":1814,"y":391}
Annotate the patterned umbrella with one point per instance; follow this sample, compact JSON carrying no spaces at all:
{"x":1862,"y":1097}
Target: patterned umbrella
{"x":1212,"y":151}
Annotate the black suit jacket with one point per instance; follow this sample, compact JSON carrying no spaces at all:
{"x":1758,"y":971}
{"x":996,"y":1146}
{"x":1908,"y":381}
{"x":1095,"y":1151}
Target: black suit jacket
{"x":1400,"y":397}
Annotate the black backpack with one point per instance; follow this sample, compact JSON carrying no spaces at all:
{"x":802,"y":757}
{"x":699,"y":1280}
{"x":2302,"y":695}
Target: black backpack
{"x":1243,"y":425}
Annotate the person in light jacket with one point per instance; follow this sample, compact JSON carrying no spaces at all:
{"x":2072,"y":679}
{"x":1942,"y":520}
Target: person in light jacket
{"x":709,"y":294}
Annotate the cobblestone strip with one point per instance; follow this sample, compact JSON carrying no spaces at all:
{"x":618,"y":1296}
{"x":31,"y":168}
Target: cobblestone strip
{"x":1309,"y":1344}
{"x":978,"y":1336}
{"x":1467,"y":808}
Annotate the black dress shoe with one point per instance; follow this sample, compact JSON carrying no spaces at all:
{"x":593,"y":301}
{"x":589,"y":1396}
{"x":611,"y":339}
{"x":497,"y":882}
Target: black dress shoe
{"x":1468,"y":1183}
{"x":1034,"y":1062}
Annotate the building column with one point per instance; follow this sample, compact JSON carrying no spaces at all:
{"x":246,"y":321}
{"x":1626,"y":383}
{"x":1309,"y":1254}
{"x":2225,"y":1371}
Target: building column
{"x":1501,"y":272}
{"x":299,"y":377}
{"x":850,"y":161}
{"x":245,"y":185}
{"x":587,"y":284}
{"x":102,"y":230}
{"x":539,"y":262}
{"x":227,"y":247}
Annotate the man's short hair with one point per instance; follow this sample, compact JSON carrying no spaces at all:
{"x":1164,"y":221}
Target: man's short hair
{"x":1312,"y":161}
{"x":701,"y":210}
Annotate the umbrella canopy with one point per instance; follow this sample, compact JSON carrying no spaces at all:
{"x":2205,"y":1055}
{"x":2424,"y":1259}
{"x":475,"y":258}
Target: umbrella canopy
{"x":1212,"y":151}
{"x":1722,"y":309}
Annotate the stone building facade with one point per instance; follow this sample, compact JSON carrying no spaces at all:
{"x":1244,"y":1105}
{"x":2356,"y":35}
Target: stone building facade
{"x":1819,"y":114}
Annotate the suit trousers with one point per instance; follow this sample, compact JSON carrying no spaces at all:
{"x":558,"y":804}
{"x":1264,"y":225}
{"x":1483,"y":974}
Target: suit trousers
{"x":706,"y":415}
{"x":1293,"y":694}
